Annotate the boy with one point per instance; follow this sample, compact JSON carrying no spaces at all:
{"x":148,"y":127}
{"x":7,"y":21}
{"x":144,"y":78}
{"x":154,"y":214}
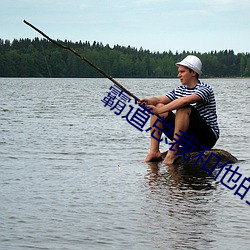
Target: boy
{"x":195,"y":107}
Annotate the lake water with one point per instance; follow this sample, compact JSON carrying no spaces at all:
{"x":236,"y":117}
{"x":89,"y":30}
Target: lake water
{"x":72,"y":174}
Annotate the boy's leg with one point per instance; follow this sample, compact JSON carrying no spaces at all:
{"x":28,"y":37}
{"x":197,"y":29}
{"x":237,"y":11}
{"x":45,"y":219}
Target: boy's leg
{"x":154,"y":152}
{"x":181,"y":123}
{"x":188,"y":119}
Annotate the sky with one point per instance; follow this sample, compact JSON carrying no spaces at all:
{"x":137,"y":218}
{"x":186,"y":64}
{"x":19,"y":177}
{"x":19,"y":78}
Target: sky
{"x":155,"y":25}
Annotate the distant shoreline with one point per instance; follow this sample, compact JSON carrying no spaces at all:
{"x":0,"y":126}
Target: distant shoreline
{"x":41,"y":58}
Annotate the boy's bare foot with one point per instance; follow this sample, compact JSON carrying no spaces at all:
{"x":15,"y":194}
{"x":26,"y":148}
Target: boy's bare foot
{"x":170,"y":158}
{"x":153,"y":156}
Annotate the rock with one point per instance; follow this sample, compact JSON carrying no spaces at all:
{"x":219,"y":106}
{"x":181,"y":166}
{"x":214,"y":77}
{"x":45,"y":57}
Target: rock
{"x":217,"y":154}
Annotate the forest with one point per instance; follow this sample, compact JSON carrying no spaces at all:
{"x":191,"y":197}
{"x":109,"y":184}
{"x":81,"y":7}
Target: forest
{"x":41,"y":58}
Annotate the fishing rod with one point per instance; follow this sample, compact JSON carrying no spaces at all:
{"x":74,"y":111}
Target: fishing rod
{"x":84,"y":59}
{"x":87,"y":61}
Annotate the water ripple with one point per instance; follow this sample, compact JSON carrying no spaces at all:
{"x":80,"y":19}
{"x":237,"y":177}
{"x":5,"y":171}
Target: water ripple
{"x":72,"y":175}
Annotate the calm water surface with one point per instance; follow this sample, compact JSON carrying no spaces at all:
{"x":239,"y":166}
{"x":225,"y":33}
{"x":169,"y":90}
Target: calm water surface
{"x":72,"y":176}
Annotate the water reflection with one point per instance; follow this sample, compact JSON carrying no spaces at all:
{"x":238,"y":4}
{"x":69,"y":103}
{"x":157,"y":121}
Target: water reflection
{"x":181,"y":176}
{"x":183,"y":198}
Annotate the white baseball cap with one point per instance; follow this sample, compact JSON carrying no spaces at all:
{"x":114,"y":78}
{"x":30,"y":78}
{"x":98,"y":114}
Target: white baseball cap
{"x":191,"y":62}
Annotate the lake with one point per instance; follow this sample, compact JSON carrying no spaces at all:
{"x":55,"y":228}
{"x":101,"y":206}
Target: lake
{"x":72,"y":174}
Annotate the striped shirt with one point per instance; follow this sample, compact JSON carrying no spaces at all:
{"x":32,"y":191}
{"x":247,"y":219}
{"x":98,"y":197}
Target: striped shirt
{"x":206,"y":108}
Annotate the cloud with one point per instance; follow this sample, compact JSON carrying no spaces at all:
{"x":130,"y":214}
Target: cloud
{"x":149,"y":2}
{"x":152,"y":24}
{"x":224,"y":5}
{"x":221,"y":2}
{"x":83,"y":6}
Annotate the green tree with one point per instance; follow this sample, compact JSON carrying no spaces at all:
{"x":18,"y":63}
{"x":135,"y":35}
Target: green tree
{"x":247,"y":69}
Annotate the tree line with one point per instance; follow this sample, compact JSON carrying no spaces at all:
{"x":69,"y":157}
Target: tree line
{"x":41,"y":58}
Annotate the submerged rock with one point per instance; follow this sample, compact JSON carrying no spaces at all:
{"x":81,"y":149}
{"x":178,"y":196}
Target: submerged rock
{"x":211,"y":156}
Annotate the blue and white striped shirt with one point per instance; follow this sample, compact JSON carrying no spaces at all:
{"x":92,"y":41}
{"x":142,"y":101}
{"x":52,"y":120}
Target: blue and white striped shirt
{"x":206,"y":108}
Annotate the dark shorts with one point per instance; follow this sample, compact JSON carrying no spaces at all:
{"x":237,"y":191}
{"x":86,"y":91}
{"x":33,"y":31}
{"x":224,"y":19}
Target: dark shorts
{"x":197,"y":128}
